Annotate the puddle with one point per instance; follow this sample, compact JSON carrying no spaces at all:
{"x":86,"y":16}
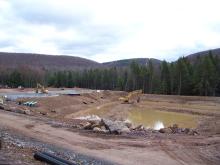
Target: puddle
{"x":159,"y":119}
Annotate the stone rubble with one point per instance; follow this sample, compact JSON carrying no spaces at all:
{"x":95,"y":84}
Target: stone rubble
{"x":176,"y":130}
{"x":98,"y":125}
{"x":15,"y":109}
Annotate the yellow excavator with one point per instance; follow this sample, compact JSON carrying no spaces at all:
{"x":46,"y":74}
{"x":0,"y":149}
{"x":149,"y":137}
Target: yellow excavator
{"x":2,"y":99}
{"x":131,"y":96}
{"x":40,"y":89}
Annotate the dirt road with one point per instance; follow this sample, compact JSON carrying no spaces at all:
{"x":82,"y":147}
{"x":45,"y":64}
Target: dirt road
{"x":118,"y":150}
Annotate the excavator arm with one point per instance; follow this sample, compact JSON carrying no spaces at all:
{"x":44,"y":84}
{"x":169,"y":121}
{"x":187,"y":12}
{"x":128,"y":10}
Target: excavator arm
{"x":134,"y":94}
{"x":40,"y":88}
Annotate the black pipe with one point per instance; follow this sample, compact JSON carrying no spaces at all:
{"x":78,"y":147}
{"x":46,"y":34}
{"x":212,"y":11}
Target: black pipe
{"x":59,"y":159}
{"x":48,"y":159}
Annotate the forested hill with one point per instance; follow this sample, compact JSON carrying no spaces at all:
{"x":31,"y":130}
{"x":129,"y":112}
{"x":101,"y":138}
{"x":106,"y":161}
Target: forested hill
{"x":127,"y":62}
{"x":45,"y":62}
{"x":197,"y":74}
{"x":54,"y":62}
{"x":143,"y":61}
{"x":193,"y":57}
{"x":58,"y":62}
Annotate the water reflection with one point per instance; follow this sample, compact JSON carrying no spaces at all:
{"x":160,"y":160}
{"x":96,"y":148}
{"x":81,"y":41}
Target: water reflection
{"x":158,"y":125}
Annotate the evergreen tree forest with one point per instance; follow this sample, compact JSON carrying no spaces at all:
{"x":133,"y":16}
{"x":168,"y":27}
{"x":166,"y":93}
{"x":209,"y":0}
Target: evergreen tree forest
{"x":182,"y":77}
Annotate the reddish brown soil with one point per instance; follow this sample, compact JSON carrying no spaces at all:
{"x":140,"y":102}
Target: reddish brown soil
{"x":153,"y":148}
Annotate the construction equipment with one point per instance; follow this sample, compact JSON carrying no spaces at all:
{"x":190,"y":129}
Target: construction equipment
{"x":2,"y":99}
{"x":21,"y":87}
{"x":131,"y":96}
{"x":40,"y":89}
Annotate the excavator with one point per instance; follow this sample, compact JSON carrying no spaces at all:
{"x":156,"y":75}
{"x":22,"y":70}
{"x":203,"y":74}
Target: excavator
{"x":2,"y":99}
{"x":131,"y":95}
{"x":40,"y":89}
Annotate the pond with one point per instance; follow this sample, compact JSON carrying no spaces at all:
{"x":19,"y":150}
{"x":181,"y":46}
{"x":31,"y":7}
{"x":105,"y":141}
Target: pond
{"x":159,"y":119}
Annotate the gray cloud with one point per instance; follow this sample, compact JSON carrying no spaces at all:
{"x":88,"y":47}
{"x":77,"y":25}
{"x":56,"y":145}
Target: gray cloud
{"x":96,"y":43}
{"x":109,"y":30}
{"x":26,"y":14}
{"x":44,"y":14}
{"x":6,"y":43}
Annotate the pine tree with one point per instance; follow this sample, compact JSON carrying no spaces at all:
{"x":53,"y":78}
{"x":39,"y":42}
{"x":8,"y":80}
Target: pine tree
{"x":165,"y":78}
{"x":183,"y":82}
{"x":135,"y":74}
{"x":205,"y":76}
{"x":172,"y":77}
{"x":151,"y":75}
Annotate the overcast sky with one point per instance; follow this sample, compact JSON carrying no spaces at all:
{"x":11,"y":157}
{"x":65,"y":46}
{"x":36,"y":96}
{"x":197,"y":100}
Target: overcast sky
{"x":107,"y":30}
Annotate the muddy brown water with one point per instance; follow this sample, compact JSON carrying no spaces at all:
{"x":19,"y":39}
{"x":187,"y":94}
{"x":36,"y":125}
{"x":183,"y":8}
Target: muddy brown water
{"x":159,"y":119}
{"x":149,"y":118}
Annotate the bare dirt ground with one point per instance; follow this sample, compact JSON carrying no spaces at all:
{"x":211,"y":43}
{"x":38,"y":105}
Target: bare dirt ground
{"x":152,"y":148}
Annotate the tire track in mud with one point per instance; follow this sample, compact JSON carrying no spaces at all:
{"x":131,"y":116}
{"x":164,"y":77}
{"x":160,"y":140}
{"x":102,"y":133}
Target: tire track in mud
{"x":99,"y":148}
{"x":182,"y":154}
{"x":164,"y":147}
{"x":114,"y":149}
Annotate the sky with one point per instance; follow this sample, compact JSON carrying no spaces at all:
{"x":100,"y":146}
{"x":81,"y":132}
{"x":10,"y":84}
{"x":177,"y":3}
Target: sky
{"x":108,"y":30}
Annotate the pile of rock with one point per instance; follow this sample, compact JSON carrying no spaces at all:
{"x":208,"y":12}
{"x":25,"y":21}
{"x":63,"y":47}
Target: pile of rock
{"x":89,"y":118}
{"x":106,"y":126}
{"x":99,"y":125}
{"x":176,"y":130}
{"x":115,"y":127}
{"x":15,"y":109}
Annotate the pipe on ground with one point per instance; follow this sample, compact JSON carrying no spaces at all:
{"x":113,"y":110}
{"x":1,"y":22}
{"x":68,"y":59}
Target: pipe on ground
{"x":59,"y":159}
{"x":51,"y":159}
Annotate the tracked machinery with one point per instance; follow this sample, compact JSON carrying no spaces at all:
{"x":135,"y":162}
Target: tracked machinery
{"x":134,"y":95}
{"x":40,"y":89}
{"x":2,"y":100}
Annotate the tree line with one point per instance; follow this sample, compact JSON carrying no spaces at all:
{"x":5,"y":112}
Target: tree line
{"x":200,"y":76}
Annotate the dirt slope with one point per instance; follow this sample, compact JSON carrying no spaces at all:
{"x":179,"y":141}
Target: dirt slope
{"x":153,"y":150}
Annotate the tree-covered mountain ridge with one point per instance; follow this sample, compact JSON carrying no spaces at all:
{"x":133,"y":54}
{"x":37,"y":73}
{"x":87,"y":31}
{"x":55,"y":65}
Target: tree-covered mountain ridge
{"x":197,"y":74}
{"x":63,"y":62}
